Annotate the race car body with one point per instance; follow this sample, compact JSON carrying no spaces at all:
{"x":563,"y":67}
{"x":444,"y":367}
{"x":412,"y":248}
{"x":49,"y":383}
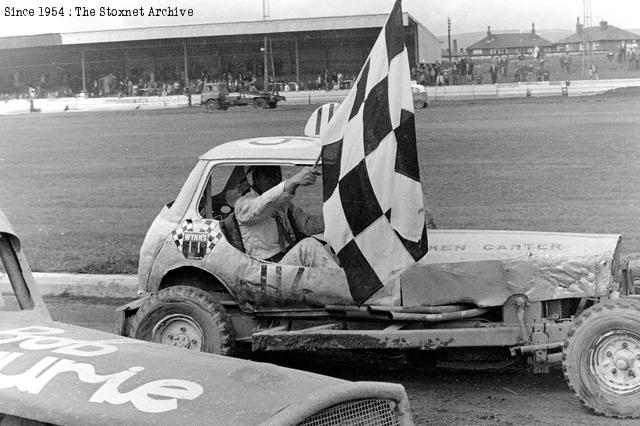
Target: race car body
{"x":480,"y":267}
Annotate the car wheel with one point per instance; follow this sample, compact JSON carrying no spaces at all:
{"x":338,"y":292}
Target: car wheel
{"x":260,"y":103}
{"x":601,"y":358}
{"x":186,"y":317}
{"x":212,"y":105}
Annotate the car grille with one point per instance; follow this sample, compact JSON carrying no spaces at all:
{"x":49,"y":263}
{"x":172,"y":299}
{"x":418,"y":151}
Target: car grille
{"x":363,"y":412}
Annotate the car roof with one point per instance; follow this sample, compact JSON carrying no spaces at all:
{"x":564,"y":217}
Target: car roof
{"x":277,"y":149}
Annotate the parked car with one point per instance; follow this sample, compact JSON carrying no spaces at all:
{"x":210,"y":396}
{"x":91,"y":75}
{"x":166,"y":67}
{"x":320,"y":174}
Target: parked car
{"x":544,"y":297}
{"x":53,"y":373}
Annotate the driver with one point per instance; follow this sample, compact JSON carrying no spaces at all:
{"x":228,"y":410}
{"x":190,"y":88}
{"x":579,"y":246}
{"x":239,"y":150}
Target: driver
{"x":269,"y":221}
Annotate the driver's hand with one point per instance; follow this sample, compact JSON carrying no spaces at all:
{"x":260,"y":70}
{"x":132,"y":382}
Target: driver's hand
{"x":305,"y":177}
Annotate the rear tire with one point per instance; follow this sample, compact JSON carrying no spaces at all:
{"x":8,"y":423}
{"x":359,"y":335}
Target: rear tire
{"x":186,"y":317}
{"x":260,"y":103}
{"x":601,"y":358}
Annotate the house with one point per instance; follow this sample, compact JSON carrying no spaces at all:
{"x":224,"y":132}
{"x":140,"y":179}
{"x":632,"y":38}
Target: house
{"x":510,"y":44}
{"x":602,"y":37}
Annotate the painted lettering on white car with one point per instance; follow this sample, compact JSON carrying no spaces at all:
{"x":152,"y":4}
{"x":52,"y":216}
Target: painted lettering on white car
{"x":153,"y":397}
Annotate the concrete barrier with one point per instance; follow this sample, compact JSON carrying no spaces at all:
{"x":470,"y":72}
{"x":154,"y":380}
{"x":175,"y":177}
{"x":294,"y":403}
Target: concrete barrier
{"x":56,"y":105}
{"x":307,"y":97}
{"x":80,"y":285}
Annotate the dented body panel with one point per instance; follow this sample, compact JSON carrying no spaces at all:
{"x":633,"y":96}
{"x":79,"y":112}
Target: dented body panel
{"x":480,"y":267}
{"x":487,"y":267}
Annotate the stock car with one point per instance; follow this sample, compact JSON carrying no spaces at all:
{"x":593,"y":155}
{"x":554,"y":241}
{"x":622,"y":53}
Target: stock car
{"x":541,"y":297}
{"x":53,"y":373}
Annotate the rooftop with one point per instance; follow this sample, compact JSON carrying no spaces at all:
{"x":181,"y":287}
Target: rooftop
{"x":275,"y":150}
{"x":510,"y":40}
{"x":602,"y":32}
{"x":201,"y":30}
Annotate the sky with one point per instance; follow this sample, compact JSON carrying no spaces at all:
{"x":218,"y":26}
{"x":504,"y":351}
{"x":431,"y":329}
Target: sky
{"x":466,"y":15}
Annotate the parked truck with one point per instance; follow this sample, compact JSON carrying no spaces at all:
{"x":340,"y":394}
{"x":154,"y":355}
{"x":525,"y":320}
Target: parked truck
{"x":216,"y":96}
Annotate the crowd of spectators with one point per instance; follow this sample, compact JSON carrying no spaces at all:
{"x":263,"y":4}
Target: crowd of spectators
{"x":443,"y":73}
{"x":499,"y":69}
{"x":111,"y":85}
{"x":461,"y":70}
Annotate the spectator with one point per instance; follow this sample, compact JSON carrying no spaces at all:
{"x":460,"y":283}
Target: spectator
{"x":622,"y":48}
{"x":610,"y":57}
{"x":635,"y":56}
{"x":493,"y":70}
{"x":593,"y":71}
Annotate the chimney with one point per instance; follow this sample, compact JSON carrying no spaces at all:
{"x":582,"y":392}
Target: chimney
{"x":604,"y":25}
{"x":455,"y":45}
{"x":533,"y":28}
{"x":579,"y":27}
{"x":489,"y":33}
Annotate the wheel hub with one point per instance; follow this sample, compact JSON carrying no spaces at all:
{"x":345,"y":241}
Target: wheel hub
{"x":178,"y":330}
{"x":615,"y":361}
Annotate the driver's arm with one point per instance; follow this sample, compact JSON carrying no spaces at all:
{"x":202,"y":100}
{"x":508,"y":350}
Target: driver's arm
{"x":253,"y":208}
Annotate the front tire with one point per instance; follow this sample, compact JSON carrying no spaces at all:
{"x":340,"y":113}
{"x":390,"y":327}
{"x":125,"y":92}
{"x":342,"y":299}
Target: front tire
{"x":212,"y":105}
{"x":186,"y":317}
{"x":601,"y":358}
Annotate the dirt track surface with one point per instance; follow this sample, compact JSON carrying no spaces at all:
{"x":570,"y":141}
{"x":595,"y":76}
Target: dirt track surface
{"x":443,"y":397}
{"x":86,"y":186}
{"x":83,"y":188}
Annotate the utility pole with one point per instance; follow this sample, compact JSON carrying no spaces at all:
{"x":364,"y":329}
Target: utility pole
{"x":449,"y":35}
{"x":587,"y":43}
{"x":265,"y":15}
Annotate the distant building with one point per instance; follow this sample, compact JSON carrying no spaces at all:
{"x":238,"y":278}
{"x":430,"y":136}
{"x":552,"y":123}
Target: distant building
{"x":293,"y":50}
{"x":602,"y":37}
{"x":510,"y":44}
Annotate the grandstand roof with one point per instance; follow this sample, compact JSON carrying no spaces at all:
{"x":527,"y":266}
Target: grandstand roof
{"x":201,"y":30}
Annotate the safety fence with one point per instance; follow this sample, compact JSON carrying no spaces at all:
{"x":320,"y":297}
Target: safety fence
{"x":435,"y":93}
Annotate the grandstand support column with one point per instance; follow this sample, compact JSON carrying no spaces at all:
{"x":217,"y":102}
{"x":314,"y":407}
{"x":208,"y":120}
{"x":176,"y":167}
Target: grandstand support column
{"x":84,"y":73}
{"x":265,"y":70}
{"x":297,"y":61}
{"x":186,"y":65}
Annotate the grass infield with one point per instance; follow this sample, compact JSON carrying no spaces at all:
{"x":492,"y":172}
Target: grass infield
{"x":82,"y":188}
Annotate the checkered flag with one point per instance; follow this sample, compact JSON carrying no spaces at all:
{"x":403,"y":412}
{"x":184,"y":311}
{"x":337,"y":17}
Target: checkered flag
{"x":373,"y":207}
{"x":214,"y":234}
{"x":178,"y":234}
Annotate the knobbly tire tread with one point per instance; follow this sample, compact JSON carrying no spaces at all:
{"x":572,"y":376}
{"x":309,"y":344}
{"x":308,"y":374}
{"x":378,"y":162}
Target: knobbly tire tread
{"x":606,"y":308}
{"x":191,"y":297}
